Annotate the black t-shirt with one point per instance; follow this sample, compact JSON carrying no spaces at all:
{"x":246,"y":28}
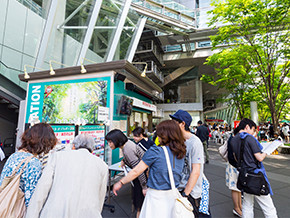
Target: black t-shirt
{"x":145,"y":145}
{"x":251,"y":147}
{"x":202,"y":133}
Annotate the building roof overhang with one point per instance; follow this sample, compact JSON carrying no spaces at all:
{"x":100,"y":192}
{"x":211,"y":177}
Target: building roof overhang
{"x":122,"y":66}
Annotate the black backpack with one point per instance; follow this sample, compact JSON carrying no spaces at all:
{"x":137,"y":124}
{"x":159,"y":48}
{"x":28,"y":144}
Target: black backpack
{"x":231,"y":156}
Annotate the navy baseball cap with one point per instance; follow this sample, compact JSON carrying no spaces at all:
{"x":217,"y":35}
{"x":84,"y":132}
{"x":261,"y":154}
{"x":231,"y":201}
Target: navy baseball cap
{"x":182,"y":116}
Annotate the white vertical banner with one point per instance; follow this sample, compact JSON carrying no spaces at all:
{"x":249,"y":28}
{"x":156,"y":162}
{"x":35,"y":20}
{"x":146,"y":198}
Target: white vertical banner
{"x":254,"y":112}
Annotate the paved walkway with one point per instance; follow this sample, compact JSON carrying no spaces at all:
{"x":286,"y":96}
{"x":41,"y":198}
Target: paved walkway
{"x":278,"y":170}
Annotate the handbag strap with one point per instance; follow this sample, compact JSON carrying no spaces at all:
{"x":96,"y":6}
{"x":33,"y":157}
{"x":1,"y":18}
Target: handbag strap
{"x":26,"y":160}
{"x":169,"y":168}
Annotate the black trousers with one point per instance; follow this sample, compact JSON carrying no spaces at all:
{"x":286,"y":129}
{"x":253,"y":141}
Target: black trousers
{"x":195,"y":203}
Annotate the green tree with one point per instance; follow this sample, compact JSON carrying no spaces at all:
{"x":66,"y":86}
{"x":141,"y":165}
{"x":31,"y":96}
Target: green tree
{"x":232,"y":74}
{"x":52,"y":102}
{"x":259,"y":29}
{"x":97,"y":96}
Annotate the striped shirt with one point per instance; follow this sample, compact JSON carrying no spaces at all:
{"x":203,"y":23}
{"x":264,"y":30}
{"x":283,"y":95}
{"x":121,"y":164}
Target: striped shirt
{"x":132,"y":156}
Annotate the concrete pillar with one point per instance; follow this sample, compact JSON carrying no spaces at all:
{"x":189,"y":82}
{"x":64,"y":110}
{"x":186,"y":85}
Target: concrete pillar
{"x":254,"y":112}
{"x":21,"y":123}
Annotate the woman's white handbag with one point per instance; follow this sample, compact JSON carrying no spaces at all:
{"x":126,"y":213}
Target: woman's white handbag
{"x":223,"y":151}
{"x":183,"y":208}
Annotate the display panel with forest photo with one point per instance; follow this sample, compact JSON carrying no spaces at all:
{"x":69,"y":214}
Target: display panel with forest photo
{"x":72,"y":102}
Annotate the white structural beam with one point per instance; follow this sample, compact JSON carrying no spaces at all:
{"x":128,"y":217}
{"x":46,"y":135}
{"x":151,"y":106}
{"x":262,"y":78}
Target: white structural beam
{"x":46,"y":34}
{"x":136,"y":38}
{"x":90,"y":30}
{"x":72,"y":14}
{"x":117,"y":34}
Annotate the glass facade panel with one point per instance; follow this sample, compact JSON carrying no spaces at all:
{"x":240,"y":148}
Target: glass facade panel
{"x":33,"y":33}
{"x":127,"y":35}
{"x":64,"y":45}
{"x":170,"y":48}
{"x":204,"y":3}
{"x":35,"y":6}
{"x":106,"y":24}
{"x":203,"y":17}
{"x":204,"y":44}
{"x":3,"y":10}
{"x":15,"y":25}
{"x":11,"y":57}
{"x":71,"y":49}
{"x":28,"y":60}
{"x":80,"y":19}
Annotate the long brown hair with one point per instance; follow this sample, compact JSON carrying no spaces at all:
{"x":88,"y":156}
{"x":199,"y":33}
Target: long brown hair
{"x":38,"y":139}
{"x":170,"y":134}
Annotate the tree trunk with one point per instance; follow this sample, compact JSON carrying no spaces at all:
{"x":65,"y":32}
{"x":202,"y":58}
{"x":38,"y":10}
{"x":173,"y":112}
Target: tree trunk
{"x":275,"y":120}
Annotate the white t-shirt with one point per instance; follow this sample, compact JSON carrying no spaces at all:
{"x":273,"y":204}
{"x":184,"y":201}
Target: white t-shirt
{"x":285,"y":130}
{"x":194,"y":154}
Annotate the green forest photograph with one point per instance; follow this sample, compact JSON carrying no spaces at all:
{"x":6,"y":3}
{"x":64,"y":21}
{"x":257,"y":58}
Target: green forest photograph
{"x":72,"y":102}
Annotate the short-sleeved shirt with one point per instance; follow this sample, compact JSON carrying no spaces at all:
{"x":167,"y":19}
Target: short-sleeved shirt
{"x":194,"y":155}
{"x":132,"y":156}
{"x":145,"y":145}
{"x":202,"y":133}
{"x":158,"y":172}
{"x":251,"y":147}
{"x":30,"y":175}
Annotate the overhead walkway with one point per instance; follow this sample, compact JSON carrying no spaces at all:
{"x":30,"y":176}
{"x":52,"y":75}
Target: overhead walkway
{"x":196,"y":53}
{"x":176,"y":74}
{"x":179,"y":22}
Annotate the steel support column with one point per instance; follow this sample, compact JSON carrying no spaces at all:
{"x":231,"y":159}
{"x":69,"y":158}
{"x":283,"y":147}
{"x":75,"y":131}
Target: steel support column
{"x":90,"y":30}
{"x":135,"y":40}
{"x":46,"y":34}
{"x":117,"y":34}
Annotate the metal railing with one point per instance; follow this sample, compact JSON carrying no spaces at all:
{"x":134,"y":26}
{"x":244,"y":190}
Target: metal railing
{"x":173,"y":10}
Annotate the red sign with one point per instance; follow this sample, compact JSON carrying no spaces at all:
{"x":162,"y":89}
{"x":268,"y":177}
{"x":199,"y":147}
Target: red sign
{"x":48,"y":90}
{"x":236,"y":123}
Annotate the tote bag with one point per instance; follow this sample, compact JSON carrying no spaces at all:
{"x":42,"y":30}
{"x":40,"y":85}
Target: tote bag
{"x":183,"y":208}
{"x":12,"y":202}
{"x":223,"y":151}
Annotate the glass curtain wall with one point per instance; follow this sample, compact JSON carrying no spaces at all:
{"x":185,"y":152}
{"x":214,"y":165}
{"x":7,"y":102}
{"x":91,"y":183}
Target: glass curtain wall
{"x":104,"y":31}
{"x":65,"y":43}
{"x":20,"y":36}
{"x":127,"y":35}
{"x":67,"y":38}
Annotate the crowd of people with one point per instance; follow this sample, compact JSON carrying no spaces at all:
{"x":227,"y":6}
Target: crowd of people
{"x":74,"y":182}
{"x":220,"y":133}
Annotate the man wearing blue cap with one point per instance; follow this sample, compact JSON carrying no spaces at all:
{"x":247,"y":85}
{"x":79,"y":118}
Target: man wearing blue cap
{"x":191,"y":181}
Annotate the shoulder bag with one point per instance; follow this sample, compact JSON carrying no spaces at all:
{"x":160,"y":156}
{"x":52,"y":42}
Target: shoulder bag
{"x":250,"y":182}
{"x":223,"y":151}
{"x":12,"y":202}
{"x":183,"y":208}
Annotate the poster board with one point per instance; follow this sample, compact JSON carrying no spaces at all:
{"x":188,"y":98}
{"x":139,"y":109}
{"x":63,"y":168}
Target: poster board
{"x":68,"y":101}
{"x":65,"y":134}
{"x":98,"y":133}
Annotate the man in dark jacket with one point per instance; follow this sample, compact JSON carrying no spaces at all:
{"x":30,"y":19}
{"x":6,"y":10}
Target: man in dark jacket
{"x":203,"y":134}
